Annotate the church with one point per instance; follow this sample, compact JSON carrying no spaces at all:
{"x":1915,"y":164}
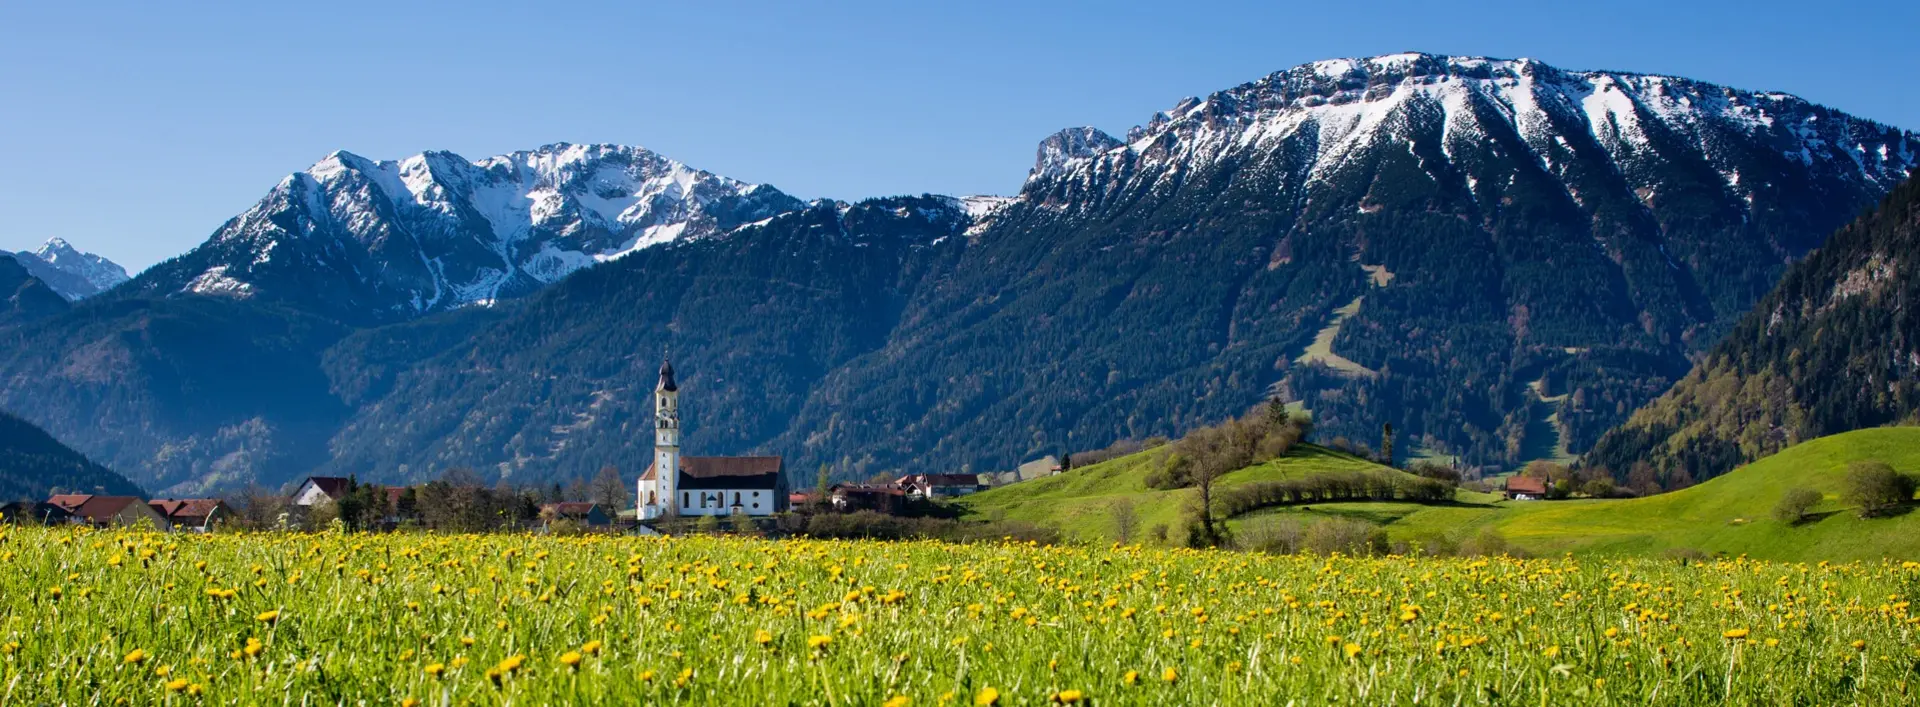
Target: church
{"x":702,"y":486}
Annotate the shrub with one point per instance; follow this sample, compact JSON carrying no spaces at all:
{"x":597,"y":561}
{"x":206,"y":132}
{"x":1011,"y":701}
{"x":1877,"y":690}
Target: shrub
{"x":1795,"y":503}
{"x":1489,"y":544}
{"x":1876,"y":488}
{"x":1274,"y":536}
{"x":1345,"y":535}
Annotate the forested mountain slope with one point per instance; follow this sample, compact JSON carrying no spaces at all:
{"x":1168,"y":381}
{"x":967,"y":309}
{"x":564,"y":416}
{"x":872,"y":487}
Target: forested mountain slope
{"x":1835,"y":347}
{"x":34,"y":465}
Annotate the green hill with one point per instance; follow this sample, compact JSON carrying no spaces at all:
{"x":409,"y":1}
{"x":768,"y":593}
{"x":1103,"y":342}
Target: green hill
{"x":1081,"y":503}
{"x":1727,"y":514}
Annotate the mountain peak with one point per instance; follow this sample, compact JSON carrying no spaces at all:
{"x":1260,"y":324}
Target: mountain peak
{"x":72,"y":273}
{"x":1067,"y":147}
{"x":435,"y":230}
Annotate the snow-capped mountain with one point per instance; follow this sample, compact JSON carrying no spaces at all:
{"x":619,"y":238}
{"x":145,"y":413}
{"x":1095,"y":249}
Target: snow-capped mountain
{"x":70,"y":272}
{"x":435,"y":231}
{"x":1321,"y":118}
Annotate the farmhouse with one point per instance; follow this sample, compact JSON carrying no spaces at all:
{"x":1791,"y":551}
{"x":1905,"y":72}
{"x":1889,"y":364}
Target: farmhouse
{"x":106,"y":511}
{"x":1525,"y":488}
{"x":197,"y":514}
{"x":702,"y":486}
{"x":930,"y":486}
{"x":319,"y":489}
{"x":591,"y":515}
{"x":34,"y":512}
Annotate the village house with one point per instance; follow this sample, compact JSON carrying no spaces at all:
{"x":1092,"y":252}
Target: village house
{"x":591,"y":515}
{"x":702,"y":486}
{"x":1525,"y":488}
{"x":890,"y":499}
{"x":195,"y":514}
{"x":931,"y":486}
{"x":319,"y":489}
{"x":109,"y":511}
{"x":34,"y":512}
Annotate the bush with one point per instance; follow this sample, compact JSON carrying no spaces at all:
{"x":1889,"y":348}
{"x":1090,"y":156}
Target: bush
{"x":1274,"y":536}
{"x":1688,"y":555}
{"x":1344,"y":535}
{"x":1876,"y":489}
{"x":1795,"y":503}
{"x":1489,"y":544}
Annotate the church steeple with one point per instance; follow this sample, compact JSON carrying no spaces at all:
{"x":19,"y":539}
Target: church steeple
{"x":666,"y":378}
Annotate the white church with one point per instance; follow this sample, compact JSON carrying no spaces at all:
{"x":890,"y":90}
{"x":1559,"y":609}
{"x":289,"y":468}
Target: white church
{"x":702,"y":486}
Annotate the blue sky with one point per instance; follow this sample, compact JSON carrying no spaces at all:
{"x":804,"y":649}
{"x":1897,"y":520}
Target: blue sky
{"x":134,"y":129}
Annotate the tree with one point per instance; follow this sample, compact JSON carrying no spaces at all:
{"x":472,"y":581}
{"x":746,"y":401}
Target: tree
{"x":822,"y":487}
{"x":608,"y":489}
{"x":1277,"y":415}
{"x":1875,"y":488}
{"x":742,"y":524}
{"x":707,"y":524}
{"x":1386,"y":443}
{"x":1795,"y":503}
{"x":1125,"y":520}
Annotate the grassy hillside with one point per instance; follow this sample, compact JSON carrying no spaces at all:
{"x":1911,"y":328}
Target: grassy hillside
{"x":1081,"y":502}
{"x":1727,"y":514}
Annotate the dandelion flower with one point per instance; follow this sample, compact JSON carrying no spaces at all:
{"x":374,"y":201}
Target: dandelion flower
{"x":435,"y":670}
{"x":1736,"y":633}
{"x":1170,"y":675}
{"x":591,"y":648}
{"x":571,"y":659}
{"x":176,"y":685}
{"x":1132,"y":677}
{"x":135,"y":657}
{"x":987,"y":697}
{"x":268,"y":616}
{"x":819,"y":642}
{"x":898,"y":701}
{"x":1067,"y":697}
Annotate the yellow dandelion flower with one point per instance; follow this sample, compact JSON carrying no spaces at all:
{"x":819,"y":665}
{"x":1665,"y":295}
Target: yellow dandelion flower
{"x":176,"y":685}
{"x":762,"y":637}
{"x":591,"y":648}
{"x":435,"y":670}
{"x":268,"y":616}
{"x":898,"y":701}
{"x":1131,"y":678}
{"x":510,"y":664}
{"x":1170,"y":675}
{"x":1735,"y":633}
{"x":135,"y":657}
{"x":987,"y":697}
{"x":1067,"y":697}
{"x":570,"y":659}
{"x":819,"y":642}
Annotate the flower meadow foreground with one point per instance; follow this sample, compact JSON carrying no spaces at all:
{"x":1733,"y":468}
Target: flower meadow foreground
{"x":98,"y":617}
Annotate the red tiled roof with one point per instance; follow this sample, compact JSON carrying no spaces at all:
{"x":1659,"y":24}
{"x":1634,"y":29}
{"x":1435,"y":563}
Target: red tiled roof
{"x":69,"y":502}
{"x":1525,"y":484}
{"x":186,"y":508}
{"x":570,"y":508}
{"x":95,"y":508}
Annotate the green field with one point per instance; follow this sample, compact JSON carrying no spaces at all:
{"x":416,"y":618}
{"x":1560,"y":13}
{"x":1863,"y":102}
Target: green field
{"x":1729,"y":514}
{"x":130,"y":617}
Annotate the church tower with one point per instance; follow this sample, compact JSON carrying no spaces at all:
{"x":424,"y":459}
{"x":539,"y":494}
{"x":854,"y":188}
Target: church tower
{"x":666,"y":439}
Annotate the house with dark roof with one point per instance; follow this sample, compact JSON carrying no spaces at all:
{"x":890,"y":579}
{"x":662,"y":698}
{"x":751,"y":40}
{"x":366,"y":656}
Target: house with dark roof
{"x":890,"y":499}
{"x":39,"y":512}
{"x":196,"y":514}
{"x":930,"y":486}
{"x":702,"y":486}
{"x":320,"y":489}
{"x":1525,"y":488}
{"x":109,"y":511}
{"x":592,"y":515}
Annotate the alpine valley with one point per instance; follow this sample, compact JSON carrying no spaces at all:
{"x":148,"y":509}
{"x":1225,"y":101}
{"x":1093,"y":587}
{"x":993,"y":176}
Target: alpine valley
{"x":1501,"y":259}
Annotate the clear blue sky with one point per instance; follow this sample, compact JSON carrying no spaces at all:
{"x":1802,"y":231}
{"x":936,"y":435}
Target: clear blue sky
{"x":134,"y":129}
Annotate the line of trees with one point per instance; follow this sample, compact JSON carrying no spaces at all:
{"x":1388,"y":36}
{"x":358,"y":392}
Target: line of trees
{"x":1370,"y":485}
